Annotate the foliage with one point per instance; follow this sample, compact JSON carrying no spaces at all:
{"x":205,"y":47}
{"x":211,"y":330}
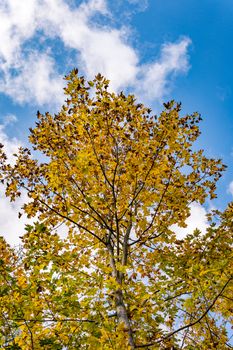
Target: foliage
{"x":116,"y":179}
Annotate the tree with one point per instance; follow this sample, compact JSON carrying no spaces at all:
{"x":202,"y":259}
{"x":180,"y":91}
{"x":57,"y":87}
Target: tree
{"x":118,"y":179}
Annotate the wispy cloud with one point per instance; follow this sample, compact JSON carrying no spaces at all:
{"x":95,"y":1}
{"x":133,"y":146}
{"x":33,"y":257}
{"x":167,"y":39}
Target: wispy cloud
{"x":156,"y":77}
{"x":29,"y":66}
{"x":230,"y":188}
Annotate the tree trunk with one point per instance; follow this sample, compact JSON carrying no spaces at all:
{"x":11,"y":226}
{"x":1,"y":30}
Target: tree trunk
{"x":123,"y":316}
{"x":119,"y":301}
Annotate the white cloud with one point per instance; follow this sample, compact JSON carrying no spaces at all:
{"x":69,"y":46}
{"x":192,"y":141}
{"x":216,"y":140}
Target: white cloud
{"x":11,"y":227}
{"x":101,"y":49}
{"x":108,"y":54}
{"x":8,"y":119}
{"x":230,"y":188}
{"x":10,"y":145}
{"x":142,"y":4}
{"x":32,"y":75}
{"x":36,"y":81}
{"x":196,"y":220}
{"x":155,"y":79}
{"x":17,"y":25}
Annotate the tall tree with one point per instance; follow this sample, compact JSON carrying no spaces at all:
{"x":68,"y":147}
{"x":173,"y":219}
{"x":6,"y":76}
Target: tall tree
{"x":118,"y":179}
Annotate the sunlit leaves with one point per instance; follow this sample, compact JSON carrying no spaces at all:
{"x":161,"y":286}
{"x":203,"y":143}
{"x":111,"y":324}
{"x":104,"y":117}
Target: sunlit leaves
{"x":115,"y":179}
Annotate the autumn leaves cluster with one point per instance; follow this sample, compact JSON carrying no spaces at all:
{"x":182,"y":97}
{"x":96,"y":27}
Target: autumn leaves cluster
{"x":115,"y":179}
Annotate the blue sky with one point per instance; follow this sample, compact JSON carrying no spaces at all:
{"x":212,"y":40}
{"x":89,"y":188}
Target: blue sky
{"x":159,"y":50}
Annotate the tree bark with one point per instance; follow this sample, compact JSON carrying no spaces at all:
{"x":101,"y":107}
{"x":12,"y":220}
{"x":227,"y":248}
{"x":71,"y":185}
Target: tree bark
{"x":123,"y":316}
{"x":121,"y":311}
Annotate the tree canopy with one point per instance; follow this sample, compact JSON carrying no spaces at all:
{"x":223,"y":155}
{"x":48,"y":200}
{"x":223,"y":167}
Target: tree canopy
{"x":116,"y":179}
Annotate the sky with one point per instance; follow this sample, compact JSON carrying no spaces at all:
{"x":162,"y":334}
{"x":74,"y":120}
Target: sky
{"x":157,"y":49}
